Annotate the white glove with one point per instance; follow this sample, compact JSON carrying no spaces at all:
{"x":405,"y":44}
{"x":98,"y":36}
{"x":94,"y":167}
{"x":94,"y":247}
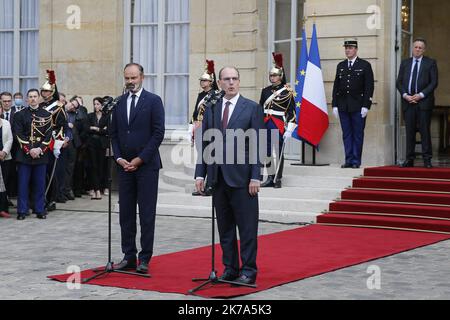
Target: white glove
{"x":190,"y":132}
{"x":289,"y":130}
{"x":57,"y":148}
{"x":364,"y":112}
{"x":336,"y":112}
{"x":287,"y":134}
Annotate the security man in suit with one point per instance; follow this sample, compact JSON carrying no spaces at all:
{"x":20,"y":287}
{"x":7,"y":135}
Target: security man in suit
{"x":33,"y":131}
{"x":137,"y":130}
{"x":278,"y":103}
{"x":417,"y":79}
{"x":352,"y":98}
{"x":236,"y":181}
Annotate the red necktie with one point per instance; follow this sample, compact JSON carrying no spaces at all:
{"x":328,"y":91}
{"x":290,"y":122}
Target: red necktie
{"x":225,"y":115}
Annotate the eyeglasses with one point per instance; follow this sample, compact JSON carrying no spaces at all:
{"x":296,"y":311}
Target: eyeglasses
{"x":228,"y":79}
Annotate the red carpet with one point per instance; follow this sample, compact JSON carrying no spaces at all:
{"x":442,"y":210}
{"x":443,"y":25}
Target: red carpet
{"x":283,"y":257}
{"x":393,"y":197}
{"x":358,"y":228}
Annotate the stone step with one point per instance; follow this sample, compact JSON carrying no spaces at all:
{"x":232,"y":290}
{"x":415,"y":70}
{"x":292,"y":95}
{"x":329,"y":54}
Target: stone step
{"x":265,"y":203}
{"x":333,"y":170}
{"x":294,"y":193}
{"x":268,"y":215}
{"x":181,"y":179}
{"x":205,"y":212}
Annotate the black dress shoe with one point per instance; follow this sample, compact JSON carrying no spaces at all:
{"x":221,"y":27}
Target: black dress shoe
{"x":228,"y":276}
{"x":51,"y":206}
{"x":277,"y":185}
{"x":208,"y":192}
{"x":142,"y":268}
{"x":61,"y":200}
{"x":346,"y":165}
{"x":407,"y":164}
{"x":196,"y":194}
{"x":41,"y":216}
{"x":21,"y":217}
{"x":268,"y":182}
{"x":125,"y":265}
{"x":355,"y":166}
{"x":245,"y":279}
{"x":427,"y":164}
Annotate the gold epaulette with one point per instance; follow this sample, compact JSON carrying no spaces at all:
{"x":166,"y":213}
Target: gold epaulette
{"x":288,"y":87}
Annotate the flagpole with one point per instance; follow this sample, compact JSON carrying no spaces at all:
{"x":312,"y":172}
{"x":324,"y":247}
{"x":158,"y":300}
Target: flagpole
{"x":302,"y":67}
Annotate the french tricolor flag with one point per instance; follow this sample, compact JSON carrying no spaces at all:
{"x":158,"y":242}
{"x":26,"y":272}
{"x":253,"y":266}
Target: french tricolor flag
{"x":313,"y":117}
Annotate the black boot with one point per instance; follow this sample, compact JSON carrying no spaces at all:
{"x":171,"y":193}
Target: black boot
{"x":268,"y":182}
{"x":277,"y":185}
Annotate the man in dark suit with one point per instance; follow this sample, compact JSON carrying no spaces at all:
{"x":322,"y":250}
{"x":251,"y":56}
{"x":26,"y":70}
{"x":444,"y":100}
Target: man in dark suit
{"x":137,"y":131}
{"x":417,"y":79}
{"x":352,"y":98}
{"x":9,"y":169}
{"x":237,"y":182}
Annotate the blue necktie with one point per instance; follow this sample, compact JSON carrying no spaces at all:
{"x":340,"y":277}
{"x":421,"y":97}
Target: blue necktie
{"x":132,"y":106}
{"x":414,"y":78}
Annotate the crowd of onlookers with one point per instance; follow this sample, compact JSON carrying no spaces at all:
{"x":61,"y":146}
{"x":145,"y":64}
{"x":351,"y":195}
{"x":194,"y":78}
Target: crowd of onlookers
{"x":81,"y":167}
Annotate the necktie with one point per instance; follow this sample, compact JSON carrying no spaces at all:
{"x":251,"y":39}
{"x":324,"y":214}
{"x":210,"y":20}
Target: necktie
{"x":132,"y":106}
{"x":414,"y":78}
{"x":7,"y":116}
{"x":349,"y":64}
{"x":225,"y":115}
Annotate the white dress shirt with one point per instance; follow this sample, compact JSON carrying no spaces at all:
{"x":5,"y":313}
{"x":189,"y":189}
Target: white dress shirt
{"x":138,"y":95}
{"x":418,"y":71}
{"x":233,"y":102}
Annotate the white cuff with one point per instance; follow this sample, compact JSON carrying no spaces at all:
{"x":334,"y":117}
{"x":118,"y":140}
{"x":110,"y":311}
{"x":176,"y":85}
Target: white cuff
{"x":291,"y":126}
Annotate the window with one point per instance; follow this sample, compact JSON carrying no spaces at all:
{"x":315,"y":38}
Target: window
{"x":406,"y":22}
{"x":285,"y":30}
{"x":19,"y":36}
{"x":157,"y":37}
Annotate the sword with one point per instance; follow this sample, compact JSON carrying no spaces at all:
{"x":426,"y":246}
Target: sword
{"x":51,"y":177}
{"x":279,"y":161}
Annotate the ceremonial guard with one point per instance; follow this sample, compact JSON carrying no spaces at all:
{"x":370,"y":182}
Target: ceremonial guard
{"x":33,"y":131}
{"x":55,"y":170}
{"x":208,"y":85}
{"x":279,"y":110}
{"x":352,"y":97}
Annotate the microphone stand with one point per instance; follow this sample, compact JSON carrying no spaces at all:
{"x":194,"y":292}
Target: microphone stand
{"x":213,"y":279}
{"x":109,"y":268}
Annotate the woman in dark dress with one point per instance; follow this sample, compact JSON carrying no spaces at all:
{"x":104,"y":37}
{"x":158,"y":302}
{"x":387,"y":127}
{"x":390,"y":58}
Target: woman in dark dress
{"x":97,"y":143}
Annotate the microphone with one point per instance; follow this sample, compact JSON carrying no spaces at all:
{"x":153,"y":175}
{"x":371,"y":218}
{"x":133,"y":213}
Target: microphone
{"x":212,"y":98}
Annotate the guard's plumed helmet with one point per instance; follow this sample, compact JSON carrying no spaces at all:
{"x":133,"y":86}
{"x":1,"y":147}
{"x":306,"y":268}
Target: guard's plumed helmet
{"x":49,"y":84}
{"x":209,"y":74}
{"x":277,"y":67}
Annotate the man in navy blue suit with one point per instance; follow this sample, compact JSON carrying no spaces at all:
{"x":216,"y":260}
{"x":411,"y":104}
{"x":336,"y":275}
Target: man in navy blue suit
{"x":235,"y":179}
{"x":417,"y":79}
{"x":137,"y":130}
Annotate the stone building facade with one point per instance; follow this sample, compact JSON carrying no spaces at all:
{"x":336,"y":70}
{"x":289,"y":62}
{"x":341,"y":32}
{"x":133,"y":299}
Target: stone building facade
{"x":88,"y":43}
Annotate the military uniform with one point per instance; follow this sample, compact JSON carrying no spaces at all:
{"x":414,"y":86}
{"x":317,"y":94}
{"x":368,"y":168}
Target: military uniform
{"x":59,"y":128}
{"x":279,"y":110}
{"x":33,"y":129}
{"x":199,"y":110}
{"x":352,"y":92}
